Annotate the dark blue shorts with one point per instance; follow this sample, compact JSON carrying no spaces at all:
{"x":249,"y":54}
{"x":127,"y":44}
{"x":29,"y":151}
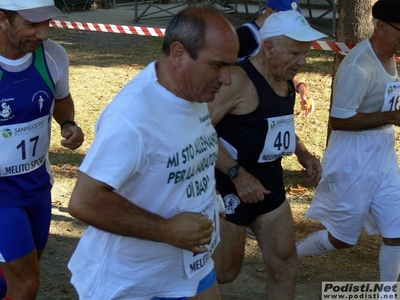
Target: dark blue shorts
{"x":24,"y":228}
{"x":237,"y":212}
{"x":206,"y":283}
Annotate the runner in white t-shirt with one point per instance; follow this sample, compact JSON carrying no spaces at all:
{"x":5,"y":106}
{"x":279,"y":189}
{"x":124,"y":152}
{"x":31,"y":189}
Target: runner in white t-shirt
{"x":360,"y":183}
{"x":147,"y":186}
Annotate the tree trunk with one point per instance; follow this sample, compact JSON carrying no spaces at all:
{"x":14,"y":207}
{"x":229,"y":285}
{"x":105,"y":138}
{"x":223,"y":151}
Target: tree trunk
{"x":354,"y":26}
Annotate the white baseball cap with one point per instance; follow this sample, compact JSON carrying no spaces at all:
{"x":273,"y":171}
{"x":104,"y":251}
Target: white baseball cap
{"x":32,"y":10}
{"x":289,"y":23}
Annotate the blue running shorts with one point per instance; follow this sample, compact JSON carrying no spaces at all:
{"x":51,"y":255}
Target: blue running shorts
{"x":24,"y":228}
{"x":206,"y":283}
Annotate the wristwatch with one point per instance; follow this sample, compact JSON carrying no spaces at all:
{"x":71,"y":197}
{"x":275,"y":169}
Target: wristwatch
{"x":69,"y":122}
{"x":234,"y":171}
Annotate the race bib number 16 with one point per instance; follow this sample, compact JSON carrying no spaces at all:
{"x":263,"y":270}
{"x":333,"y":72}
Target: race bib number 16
{"x":391,"y":97}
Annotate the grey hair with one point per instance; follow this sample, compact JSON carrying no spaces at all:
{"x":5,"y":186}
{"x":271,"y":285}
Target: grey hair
{"x":188,"y":27}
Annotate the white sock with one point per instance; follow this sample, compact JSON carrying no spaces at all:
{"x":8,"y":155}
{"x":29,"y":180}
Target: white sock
{"x":316,"y":243}
{"x":389,"y":262}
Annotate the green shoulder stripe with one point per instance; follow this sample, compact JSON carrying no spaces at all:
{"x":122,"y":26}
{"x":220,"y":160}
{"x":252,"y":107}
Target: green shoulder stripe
{"x":40,"y":65}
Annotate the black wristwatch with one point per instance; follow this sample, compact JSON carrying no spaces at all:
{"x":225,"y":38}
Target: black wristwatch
{"x":69,"y":122}
{"x":233,"y":172}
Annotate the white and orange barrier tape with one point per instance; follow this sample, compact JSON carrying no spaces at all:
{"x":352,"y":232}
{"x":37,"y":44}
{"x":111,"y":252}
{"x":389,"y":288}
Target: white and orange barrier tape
{"x":124,"y":29}
{"x":342,"y":48}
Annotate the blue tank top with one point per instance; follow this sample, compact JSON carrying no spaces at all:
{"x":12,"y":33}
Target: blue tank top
{"x":267,"y":133}
{"x":249,"y":39}
{"x":26,"y":108}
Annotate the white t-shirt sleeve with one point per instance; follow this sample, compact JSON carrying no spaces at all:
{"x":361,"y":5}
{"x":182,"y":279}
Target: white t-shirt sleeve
{"x":114,"y":156}
{"x":350,"y":88}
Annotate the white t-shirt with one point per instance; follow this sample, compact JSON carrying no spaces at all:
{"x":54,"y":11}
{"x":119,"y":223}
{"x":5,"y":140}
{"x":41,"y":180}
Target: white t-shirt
{"x":360,"y":83}
{"x":158,"y":151}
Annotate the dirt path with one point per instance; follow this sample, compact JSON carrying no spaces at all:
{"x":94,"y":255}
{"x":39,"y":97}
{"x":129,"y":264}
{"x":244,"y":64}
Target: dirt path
{"x":357,"y":264}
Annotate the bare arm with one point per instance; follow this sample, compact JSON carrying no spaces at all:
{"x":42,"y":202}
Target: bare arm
{"x":97,"y":204}
{"x":312,"y":165}
{"x":232,"y":99}
{"x":362,"y":121}
{"x":64,"y":110}
{"x":306,"y":100}
{"x":249,"y":189}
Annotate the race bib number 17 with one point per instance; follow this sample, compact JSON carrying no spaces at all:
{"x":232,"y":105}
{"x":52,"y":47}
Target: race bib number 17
{"x":23,"y":146}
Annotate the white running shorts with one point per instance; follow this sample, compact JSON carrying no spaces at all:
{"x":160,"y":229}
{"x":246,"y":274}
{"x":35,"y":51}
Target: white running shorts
{"x":360,"y":185}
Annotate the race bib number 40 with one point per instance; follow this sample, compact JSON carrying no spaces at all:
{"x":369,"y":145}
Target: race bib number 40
{"x":280,"y":139}
{"x":23,"y":146}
